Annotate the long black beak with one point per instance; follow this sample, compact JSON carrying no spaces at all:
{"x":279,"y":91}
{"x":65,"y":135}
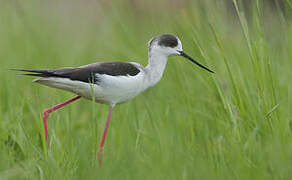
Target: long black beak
{"x":181,"y":53}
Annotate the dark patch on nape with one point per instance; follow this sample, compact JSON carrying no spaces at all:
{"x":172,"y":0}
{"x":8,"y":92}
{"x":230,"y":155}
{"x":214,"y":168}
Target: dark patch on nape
{"x":151,"y":41}
{"x":167,"y":40}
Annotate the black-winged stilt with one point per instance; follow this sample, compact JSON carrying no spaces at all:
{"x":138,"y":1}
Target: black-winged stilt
{"x":111,"y":82}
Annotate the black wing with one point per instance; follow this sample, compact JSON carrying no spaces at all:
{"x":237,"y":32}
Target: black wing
{"x":87,"y":73}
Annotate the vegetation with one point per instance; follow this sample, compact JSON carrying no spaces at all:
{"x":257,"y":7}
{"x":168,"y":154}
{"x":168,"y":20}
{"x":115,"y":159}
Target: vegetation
{"x":235,"y":124}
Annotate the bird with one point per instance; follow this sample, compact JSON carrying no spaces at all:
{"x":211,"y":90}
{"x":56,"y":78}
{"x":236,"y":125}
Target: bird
{"x":111,"y":83}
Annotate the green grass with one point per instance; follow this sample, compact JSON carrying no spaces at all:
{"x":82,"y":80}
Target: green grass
{"x":235,"y":124}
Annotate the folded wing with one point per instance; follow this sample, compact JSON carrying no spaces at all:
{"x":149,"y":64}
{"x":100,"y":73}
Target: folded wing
{"x":87,"y":73}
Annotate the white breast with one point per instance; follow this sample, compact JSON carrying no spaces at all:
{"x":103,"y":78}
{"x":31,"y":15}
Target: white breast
{"x":117,"y":89}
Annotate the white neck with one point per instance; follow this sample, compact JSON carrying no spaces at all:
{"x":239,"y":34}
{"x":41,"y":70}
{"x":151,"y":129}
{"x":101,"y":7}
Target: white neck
{"x":155,"y":68}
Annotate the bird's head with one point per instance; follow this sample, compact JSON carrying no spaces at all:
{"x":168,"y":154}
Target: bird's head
{"x":170,"y":45}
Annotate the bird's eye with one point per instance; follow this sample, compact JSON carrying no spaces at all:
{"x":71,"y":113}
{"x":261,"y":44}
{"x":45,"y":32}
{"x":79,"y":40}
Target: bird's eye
{"x":171,"y":43}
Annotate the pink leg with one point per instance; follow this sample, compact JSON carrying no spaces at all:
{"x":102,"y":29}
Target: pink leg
{"x":100,"y":150}
{"x":49,"y":110}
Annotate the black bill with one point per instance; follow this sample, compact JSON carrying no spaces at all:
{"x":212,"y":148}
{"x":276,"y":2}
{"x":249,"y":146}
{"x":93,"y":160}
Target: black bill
{"x":191,"y":59}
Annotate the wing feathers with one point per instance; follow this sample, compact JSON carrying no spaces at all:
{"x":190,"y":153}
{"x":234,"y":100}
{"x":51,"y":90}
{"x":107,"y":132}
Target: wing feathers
{"x":87,"y":73}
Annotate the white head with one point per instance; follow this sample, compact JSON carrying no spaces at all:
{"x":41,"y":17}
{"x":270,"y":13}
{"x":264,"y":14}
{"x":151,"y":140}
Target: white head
{"x":169,"y":45}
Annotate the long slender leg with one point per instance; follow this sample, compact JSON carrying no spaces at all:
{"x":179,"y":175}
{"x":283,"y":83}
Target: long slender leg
{"x":100,"y":150}
{"x":51,"y":109}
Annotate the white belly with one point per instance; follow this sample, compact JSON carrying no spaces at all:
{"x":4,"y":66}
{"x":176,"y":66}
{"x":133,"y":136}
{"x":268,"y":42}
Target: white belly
{"x":108,"y":90}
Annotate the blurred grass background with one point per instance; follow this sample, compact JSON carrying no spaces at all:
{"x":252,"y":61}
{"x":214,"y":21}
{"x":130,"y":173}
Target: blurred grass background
{"x":235,"y":124}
